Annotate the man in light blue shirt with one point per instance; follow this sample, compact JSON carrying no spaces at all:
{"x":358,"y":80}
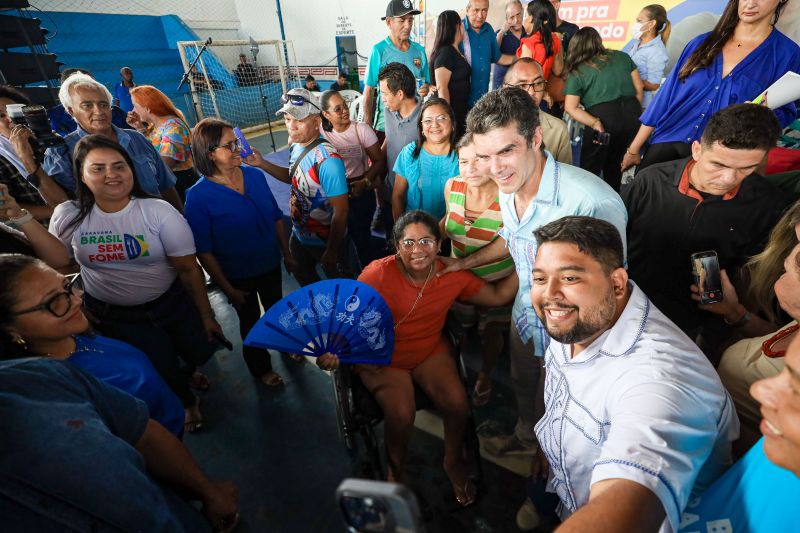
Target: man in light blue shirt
{"x":89,"y":103}
{"x":534,"y":189}
{"x":396,"y":48}
{"x":480,"y":48}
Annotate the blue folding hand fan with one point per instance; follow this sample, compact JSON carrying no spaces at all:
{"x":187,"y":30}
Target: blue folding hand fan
{"x":341,"y":316}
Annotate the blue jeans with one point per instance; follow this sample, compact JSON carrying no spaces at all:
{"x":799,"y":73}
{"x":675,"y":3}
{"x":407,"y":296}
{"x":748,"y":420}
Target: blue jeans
{"x":167,"y":329}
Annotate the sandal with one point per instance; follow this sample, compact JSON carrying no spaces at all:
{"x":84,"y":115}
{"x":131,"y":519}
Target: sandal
{"x":199,"y":381}
{"x":467,"y":495}
{"x":193,"y":423}
{"x":481,"y":398}
{"x":272,"y":379}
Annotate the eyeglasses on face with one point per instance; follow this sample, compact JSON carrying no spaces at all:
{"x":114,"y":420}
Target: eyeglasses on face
{"x":338,"y":110}
{"x":537,"y":86}
{"x":235,"y":146}
{"x":61,"y":303}
{"x":297,"y":99}
{"x":441,"y":119}
{"x":424,"y":243}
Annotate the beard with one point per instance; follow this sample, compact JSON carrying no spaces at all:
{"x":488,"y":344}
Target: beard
{"x":593,"y":321}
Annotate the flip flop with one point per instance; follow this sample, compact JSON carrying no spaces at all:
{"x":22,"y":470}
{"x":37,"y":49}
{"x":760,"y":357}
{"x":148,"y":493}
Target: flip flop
{"x":467,"y":495}
{"x":193,"y":426}
{"x":481,"y":398}
{"x":200,"y":382}
{"x":272,"y":379}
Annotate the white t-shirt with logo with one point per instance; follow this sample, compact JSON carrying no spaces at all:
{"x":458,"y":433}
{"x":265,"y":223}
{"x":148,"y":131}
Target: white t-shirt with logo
{"x":123,"y":255}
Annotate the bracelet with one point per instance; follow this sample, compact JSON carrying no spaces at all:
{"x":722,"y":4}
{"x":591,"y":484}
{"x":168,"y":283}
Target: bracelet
{"x":596,"y":120}
{"x":741,"y":322}
{"x":627,"y":151}
{"x":24,"y":218}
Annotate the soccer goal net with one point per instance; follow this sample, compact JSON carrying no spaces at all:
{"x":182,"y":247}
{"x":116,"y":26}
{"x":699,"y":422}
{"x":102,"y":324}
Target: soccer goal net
{"x":240,"y":81}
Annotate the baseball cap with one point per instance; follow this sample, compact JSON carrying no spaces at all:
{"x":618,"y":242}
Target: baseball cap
{"x":399,"y":8}
{"x":299,"y":103}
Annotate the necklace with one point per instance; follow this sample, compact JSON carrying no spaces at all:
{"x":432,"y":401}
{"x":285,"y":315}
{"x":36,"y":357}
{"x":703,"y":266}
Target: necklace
{"x":767,"y":345}
{"x":79,"y":348}
{"x":419,"y":294}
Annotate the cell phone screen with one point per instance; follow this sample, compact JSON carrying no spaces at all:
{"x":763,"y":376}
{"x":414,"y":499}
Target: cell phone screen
{"x":707,"y":276}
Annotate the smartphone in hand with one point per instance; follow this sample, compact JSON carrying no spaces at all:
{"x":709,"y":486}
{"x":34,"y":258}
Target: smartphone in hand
{"x":246,"y":151}
{"x":707,"y":276}
{"x":601,"y":137}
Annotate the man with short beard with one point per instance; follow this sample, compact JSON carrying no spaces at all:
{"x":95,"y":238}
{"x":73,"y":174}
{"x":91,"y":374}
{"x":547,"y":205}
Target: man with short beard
{"x":636,"y":419}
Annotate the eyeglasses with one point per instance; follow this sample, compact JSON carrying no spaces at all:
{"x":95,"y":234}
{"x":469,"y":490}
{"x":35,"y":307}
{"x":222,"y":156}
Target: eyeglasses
{"x":441,"y":119}
{"x":338,"y":109}
{"x":297,"y":99}
{"x":60,"y":304}
{"x":424,"y":243}
{"x":234,"y":146}
{"x":537,"y":86}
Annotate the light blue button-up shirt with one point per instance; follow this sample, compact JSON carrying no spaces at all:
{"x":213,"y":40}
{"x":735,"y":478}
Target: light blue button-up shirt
{"x":483,"y":51}
{"x":153,"y":174}
{"x":564,"y":190}
{"x":651,"y":59}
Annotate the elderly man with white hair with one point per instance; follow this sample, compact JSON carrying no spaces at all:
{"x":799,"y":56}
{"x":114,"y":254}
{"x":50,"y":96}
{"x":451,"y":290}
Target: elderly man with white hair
{"x":89,"y":103}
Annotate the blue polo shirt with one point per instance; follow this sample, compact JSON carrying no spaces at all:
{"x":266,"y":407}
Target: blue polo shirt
{"x":238,"y":229}
{"x":153,"y":174}
{"x":680,"y":110}
{"x":483,"y":52}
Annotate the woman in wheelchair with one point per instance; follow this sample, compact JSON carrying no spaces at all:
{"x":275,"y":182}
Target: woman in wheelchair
{"x":419,"y":300}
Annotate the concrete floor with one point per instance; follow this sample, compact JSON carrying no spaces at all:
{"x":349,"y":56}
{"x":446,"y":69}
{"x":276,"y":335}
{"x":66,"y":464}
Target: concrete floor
{"x":282,"y":446}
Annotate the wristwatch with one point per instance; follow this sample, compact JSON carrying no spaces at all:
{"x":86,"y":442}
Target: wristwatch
{"x":23,"y":218}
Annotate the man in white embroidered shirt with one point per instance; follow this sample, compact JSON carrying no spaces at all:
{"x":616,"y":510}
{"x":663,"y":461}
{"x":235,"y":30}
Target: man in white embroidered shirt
{"x":636,"y":418}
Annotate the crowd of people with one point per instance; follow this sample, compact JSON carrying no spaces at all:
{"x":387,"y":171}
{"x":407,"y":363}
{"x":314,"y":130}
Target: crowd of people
{"x":634,"y":392}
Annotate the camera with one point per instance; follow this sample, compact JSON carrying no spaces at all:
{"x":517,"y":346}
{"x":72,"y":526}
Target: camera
{"x":34,"y":117}
{"x":379,"y":506}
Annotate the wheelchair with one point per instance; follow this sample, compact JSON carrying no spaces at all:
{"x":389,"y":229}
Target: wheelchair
{"x":358,"y":415}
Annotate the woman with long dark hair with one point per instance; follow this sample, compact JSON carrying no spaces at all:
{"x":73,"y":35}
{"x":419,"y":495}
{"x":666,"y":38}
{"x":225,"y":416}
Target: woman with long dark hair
{"x":424,"y":166}
{"x":607,"y":84}
{"x":449,"y":68}
{"x":139,"y":268}
{"x":542,"y":43}
{"x":734,"y":63}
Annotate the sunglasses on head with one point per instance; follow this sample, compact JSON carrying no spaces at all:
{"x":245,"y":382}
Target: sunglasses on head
{"x":297,"y":99}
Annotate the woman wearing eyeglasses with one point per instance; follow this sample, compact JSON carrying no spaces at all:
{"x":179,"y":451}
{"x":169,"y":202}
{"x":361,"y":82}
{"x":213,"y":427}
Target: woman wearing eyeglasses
{"x":40,"y":316}
{"x":139,"y":268}
{"x":607,"y":84}
{"x":239,"y":233}
{"x":364,"y":163}
{"x":424,"y":166}
{"x":419,"y":300}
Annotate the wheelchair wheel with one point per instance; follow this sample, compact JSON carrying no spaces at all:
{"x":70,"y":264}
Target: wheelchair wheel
{"x":344,"y":411}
